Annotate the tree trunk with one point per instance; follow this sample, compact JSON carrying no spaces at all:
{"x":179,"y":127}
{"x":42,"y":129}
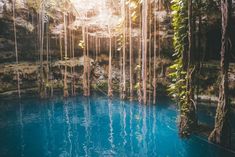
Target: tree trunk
{"x":199,"y":51}
{"x":222,"y":131}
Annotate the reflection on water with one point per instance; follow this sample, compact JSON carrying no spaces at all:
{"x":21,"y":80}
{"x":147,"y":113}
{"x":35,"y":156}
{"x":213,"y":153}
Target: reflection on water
{"x":95,"y":126}
{"x":21,"y":130}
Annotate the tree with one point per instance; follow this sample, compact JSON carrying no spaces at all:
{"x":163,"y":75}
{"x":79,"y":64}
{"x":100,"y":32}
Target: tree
{"x":222,"y":131}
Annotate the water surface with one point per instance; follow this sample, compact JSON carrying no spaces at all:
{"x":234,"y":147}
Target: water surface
{"x":95,"y":126}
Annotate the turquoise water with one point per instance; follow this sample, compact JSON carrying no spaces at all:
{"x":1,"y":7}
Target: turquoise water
{"x":95,"y":126}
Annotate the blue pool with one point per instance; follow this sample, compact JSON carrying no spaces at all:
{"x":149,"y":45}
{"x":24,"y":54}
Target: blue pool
{"x":95,"y":126}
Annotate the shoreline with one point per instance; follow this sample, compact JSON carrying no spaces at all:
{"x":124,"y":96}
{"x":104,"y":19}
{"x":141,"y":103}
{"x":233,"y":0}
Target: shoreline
{"x":208,"y":100}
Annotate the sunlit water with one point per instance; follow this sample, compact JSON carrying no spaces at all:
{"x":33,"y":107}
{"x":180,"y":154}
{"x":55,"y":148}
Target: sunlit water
{"x":95,"y":126}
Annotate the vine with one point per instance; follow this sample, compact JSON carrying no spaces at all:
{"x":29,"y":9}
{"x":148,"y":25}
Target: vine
{"x":177,"y":88}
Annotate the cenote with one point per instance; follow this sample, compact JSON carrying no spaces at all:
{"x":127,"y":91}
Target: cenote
{"x":97,"y":126}
{"x":134,"y":78}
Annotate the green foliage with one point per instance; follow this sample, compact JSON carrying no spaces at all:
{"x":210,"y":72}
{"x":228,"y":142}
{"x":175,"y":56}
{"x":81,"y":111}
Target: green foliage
{"x":178,"y":74}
